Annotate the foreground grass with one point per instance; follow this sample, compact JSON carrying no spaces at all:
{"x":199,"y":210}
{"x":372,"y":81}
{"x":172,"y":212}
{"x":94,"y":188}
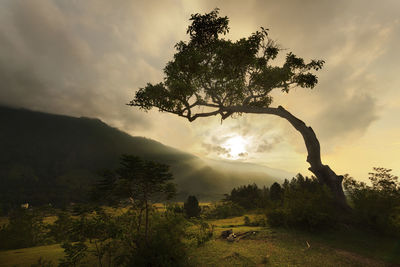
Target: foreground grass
{"x":27,"y":256}
{"x":266,"y":247}
{"x":282,"y":247}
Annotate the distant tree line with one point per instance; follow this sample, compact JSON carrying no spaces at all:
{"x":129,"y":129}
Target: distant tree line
{"x":306,"y":203}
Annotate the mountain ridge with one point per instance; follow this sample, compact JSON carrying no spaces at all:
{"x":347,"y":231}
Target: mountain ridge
{"x":54,"y":158}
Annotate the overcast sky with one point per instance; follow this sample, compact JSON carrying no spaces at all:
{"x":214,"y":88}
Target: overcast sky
{"x":87,"y":58}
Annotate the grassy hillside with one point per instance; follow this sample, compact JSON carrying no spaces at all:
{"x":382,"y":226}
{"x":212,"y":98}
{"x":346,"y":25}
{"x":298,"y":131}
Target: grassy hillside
{"x":49,"y":158}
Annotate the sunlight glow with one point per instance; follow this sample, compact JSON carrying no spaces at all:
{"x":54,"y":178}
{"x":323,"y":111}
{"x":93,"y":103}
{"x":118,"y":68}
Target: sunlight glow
{"x":236,"y":146}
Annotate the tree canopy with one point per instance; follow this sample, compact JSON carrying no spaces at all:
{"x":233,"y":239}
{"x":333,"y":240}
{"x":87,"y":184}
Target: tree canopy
{"x":222,"y":75}
{"x":143,"y":180}
{"x":210,"y":75}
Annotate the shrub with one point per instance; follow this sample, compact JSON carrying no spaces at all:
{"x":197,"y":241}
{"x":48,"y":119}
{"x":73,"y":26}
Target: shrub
{"x":25,"y":229}
{"x":191,"y":207}
{"x":224,"y":210}
{"x":75,"y":253}
{"x":164,"y":246}
{"x":201,"y":231}
{"x":246,"y":220}
{"x":378,"y":206}
{"x":61,"y":229}
{"x":257,"y":221}
{"x":174,"y":208}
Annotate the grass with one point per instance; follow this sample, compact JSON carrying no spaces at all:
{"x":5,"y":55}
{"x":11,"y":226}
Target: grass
{"x":266,"y":247}
{"x":27,"y":256}
{"x":282,"y":247}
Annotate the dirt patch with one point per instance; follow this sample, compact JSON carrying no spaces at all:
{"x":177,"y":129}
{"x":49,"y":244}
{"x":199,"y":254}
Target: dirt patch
{"x":363,"y":261}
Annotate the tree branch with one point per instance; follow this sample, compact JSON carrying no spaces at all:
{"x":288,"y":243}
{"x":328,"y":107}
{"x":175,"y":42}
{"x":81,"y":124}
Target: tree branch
{"x":205,"y":114}
{"x":310,"y":139}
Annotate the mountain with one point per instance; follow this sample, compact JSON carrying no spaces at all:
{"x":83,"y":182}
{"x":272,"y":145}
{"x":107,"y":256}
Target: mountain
{"x":48,"y":158}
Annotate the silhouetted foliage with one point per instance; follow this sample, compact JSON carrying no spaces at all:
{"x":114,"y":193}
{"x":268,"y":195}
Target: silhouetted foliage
{"x":376,"y":206}
{"x":24,"y":229}
{"x":247,"y":196}
{"x":306,"y":203}
{"x":143,"y":181}
{"x":61,"y":229}
{"x":250,"y":196}
{"x":219,"y":73}
{"x":276,"y":192}
{"x":119,"y":240}
{"x":103,"y":190}
{"x":191,"y":207}
{"x":164,"y":246}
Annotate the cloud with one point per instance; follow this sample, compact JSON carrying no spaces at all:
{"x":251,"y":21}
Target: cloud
{"x":219,"y":150}
{"x":243,"y":154}
{"x":87,"y":58}
{"x":268,"y":145}
{"x":56,"y":58}
{"x":348,"y":116}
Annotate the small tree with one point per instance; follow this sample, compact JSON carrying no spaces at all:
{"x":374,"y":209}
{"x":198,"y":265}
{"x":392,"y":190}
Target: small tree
{"x":276,"y":192}
{"x":210,"y":76}
{"x":143,"y":181}
{"x":191,"y":207}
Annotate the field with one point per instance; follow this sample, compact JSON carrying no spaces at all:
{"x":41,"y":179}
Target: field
{"x":264,"y":247}
{"x":282,"y":247}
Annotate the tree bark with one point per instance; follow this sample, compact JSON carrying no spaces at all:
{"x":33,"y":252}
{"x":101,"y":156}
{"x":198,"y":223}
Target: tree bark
{"x":323,"y":172}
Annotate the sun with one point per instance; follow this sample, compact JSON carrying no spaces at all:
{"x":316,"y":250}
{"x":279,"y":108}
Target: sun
{"x":236,"y":145}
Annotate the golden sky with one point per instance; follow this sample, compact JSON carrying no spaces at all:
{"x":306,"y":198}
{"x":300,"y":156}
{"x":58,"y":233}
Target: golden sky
{"x":86,"y":58}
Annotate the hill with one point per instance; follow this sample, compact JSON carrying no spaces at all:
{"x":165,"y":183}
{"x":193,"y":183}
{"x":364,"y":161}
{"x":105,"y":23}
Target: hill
{"x":48,"y":158}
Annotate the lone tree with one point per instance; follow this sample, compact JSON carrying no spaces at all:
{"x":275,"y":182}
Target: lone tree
{"x":210,"y":75}
{"x":143,"y":181}
{"x":191,"y":207}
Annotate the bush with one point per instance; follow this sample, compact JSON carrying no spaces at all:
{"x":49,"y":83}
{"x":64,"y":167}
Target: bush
{"x":225,"y":210}
{"x":200,"y":232}
{"x":25,"y":229}
{"x":378,"y":206}
{"x":247,"y":220}
{"x":75,"y":253}
{"x":257,"y":221}
{"x":191,"y":207}
{"x":61,"y":229}
{"x":164,"y":247}
{"x":174,"y":208}
{"x":306,"y":204}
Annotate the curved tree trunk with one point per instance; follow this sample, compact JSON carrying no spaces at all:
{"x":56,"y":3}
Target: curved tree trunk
{"x":323,"y":172}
